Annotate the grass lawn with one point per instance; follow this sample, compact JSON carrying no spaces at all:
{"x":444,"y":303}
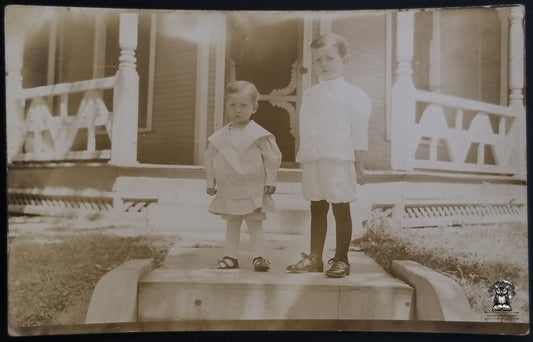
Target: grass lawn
{"x":474,"y":256}
{"x":52,"y":269}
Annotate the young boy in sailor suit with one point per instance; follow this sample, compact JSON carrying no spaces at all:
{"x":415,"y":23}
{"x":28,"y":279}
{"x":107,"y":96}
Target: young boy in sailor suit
{"x":241,"y":163}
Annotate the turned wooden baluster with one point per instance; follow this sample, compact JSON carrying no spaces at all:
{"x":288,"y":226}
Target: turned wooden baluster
{"x":126,"y":96}
{"x":14,"y":33}
{"x":403,"y":144}
{"x":516,"y":84}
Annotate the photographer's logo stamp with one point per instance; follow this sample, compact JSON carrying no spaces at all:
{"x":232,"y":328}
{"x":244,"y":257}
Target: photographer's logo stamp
{"x":502,"y":291}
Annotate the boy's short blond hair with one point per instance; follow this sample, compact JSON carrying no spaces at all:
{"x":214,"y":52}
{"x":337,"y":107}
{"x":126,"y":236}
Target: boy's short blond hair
{"x":332,"y":39}
{"x":248,"y":88}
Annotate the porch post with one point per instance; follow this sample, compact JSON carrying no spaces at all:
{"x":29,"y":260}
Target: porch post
{"x":14,"y":51}
{"x":126,"y":96}
{"x":403,"y":142}
{"x":516,"y":83}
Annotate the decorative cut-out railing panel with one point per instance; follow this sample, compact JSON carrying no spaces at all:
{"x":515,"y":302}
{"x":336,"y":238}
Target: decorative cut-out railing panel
{"x":51,"y":133}
{"x":457,"y":134}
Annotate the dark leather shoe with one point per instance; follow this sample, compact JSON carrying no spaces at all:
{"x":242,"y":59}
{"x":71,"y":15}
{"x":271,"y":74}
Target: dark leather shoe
{"x":308,"y":263}
{"x":338,"y":269}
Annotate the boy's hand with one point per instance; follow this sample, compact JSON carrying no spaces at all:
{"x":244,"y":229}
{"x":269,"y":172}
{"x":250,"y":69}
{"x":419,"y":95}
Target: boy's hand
{"x":360,"y":173}
{"x":269,"y":189}
{"x":211,"y":191}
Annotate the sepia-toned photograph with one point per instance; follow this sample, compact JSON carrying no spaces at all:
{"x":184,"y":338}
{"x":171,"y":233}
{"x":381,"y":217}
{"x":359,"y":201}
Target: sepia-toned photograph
{"x":134,"y":207}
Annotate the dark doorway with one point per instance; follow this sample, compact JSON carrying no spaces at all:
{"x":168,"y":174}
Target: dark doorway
{"x":264,"y":50}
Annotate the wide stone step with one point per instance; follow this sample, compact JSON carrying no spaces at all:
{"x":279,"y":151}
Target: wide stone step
{"x":185,"y":293}
{"x":186,"y":289}
{"x":243,"y":294}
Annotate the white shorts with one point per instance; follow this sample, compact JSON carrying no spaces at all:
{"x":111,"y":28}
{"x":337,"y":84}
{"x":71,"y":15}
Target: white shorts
{"x":330,"y":180}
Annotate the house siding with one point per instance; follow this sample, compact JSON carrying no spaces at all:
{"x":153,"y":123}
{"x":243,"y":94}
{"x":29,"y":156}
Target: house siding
{"x":471,"y":64}
{"x":171,"y":140}
{"x":35,"y":58}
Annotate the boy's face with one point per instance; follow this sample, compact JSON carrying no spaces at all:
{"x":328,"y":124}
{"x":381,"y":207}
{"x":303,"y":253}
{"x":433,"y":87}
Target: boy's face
{"x":328,"y":63}
{"x":239,"y":108}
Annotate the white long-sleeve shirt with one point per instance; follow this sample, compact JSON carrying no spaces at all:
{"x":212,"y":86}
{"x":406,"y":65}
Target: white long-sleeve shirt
{"x":334,"y":120}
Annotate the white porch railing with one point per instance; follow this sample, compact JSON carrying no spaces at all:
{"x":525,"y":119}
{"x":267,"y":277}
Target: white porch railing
{"x":432,"y":131}
{"x":480,"y":137}
{"x":50,"y":134}
{"x":41,"y":128}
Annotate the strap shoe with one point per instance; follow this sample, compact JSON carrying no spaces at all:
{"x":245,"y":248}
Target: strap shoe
{"x":261,"y":264}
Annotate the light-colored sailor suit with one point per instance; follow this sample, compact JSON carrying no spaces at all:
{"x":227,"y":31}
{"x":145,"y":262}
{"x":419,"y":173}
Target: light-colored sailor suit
{"x":240,"y":162}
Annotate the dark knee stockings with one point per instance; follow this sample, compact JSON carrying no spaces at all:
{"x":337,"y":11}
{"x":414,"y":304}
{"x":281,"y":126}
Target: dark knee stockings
{"x":319,"y":226}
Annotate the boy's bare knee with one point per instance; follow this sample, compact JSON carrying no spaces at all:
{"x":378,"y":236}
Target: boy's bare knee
{"x":254,"y":224}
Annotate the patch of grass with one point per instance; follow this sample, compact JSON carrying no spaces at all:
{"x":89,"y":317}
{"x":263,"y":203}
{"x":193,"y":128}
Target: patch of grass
{"x":475,"y":256}
{"x":51,"y":283}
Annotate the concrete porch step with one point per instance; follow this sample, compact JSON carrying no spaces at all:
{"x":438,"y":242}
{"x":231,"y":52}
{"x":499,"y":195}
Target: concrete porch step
{"x":186,"y":289}
{"x":243,"y":294}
